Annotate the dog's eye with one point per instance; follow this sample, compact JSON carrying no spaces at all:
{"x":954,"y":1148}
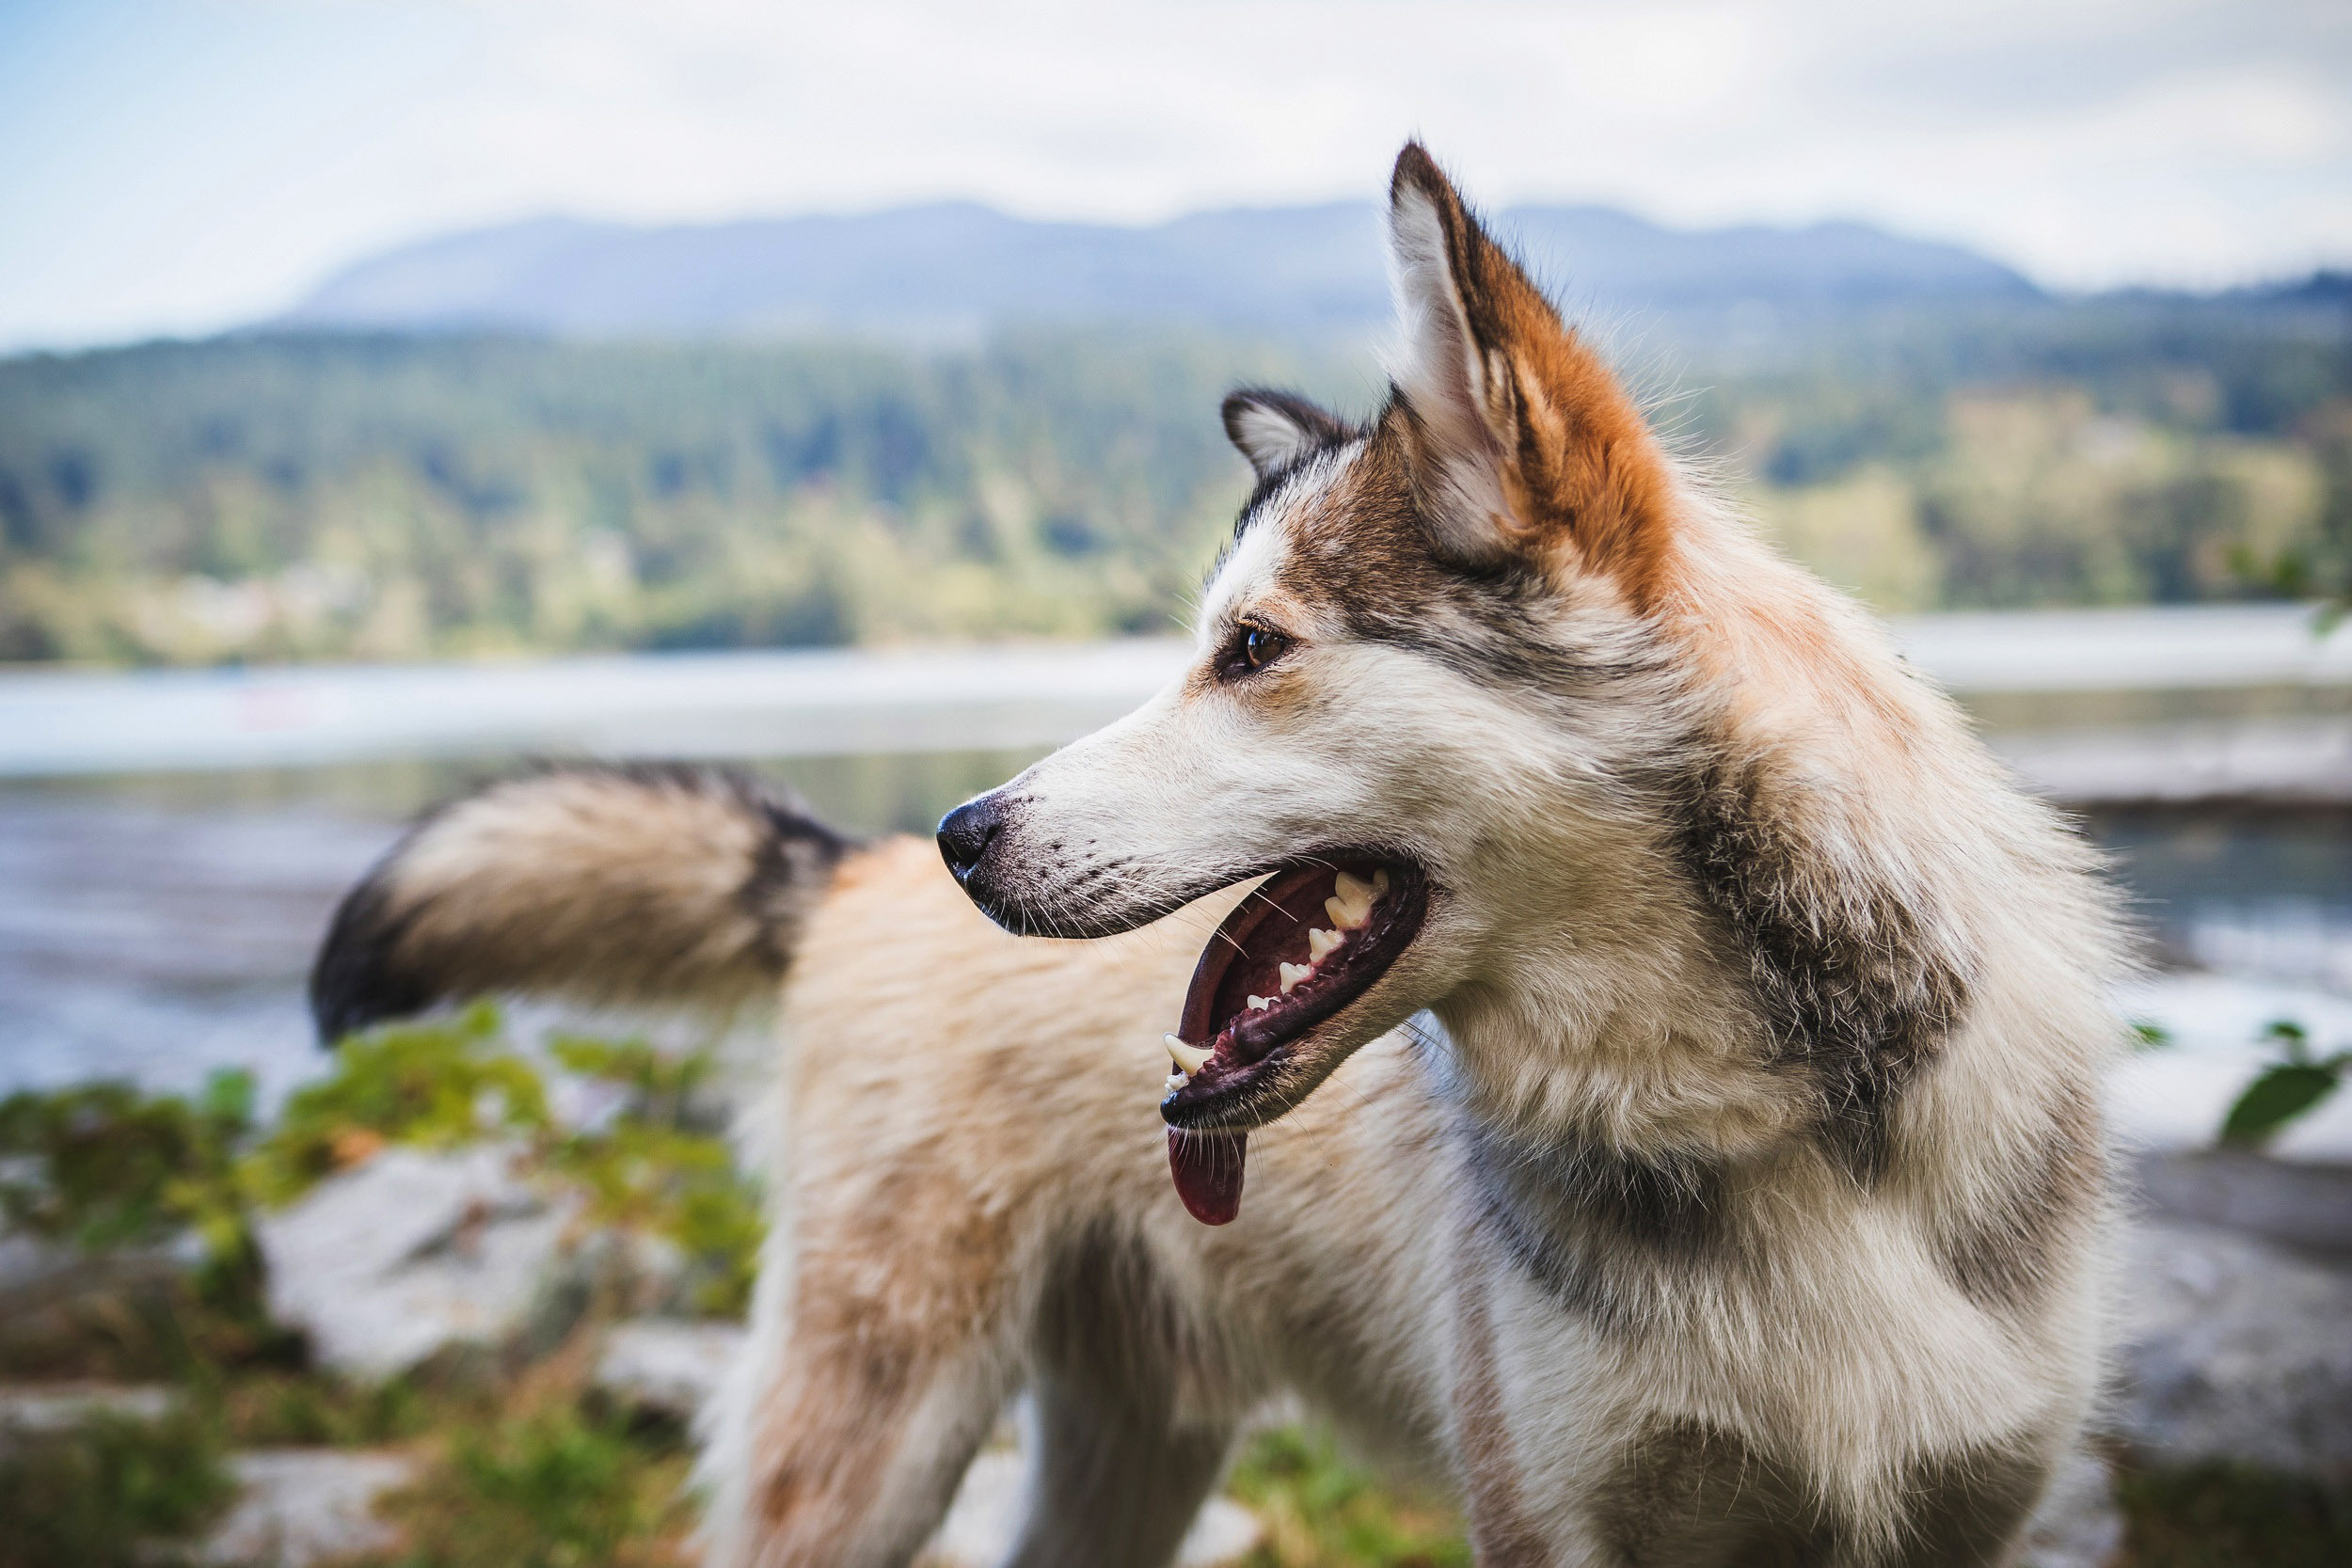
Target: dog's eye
{"x":1254,"y":648}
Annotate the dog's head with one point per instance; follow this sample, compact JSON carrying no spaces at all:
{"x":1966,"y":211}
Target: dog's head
{"x":1422,"y":673}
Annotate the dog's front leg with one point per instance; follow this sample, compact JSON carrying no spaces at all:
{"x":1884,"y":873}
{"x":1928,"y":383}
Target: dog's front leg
{"x":878,"y":1361}
{"x":852,"y":1456}
{"x":1117,"y":1481}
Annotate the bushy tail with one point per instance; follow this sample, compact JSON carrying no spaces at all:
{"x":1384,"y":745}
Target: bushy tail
{"x":602,"y":884}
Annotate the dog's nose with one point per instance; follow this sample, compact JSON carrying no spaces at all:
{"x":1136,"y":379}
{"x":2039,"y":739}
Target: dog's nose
{"x":965,"y":833}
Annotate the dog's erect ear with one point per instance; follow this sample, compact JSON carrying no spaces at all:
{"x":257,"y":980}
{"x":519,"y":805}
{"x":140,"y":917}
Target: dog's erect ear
{"x":1274,"y":430}
{"x":1522,"y":438}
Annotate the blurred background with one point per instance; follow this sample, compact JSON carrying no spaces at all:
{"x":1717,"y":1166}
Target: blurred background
{"x":392,"y":392}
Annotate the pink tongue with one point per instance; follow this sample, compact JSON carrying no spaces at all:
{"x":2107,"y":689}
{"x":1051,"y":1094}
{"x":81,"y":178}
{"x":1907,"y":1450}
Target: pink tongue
{"x":1208,"y":1172}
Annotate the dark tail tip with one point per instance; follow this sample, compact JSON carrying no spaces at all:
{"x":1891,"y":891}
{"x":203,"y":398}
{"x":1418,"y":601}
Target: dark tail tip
{"x":357,"y":980}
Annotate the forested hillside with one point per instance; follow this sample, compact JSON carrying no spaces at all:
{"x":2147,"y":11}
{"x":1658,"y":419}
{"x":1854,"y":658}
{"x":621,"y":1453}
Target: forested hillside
{"x":275,"y":498}
{"x":289,"y":496}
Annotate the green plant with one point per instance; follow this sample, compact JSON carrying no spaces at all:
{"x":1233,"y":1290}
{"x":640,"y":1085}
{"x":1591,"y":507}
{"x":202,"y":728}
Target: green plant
{"x":2292,"y":1086}
{"x":2233,"y":1516}
{"x":652,"y":1168}
{"x":105,"y":1492}
{"x":104,"y":1165}
{"x":439,"y":1083}
{"x":274,"y":1407}
{"x":1322,"y":1512}
{"x":554,"y":1489}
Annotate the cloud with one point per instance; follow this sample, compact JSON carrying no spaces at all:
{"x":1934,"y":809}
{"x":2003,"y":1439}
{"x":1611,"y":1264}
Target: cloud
{"x":191,"y":163}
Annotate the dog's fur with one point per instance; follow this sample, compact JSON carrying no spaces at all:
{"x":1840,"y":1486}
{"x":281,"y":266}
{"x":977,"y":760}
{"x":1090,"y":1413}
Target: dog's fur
{"x":1717,"y":1178}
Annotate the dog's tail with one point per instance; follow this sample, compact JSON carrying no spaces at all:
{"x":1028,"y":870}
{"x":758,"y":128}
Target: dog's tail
{"x":604,"y":884}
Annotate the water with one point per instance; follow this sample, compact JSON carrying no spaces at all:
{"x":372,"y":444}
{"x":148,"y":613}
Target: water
{"x":156,"y":927}
{"x":2266,"y":895}
{"x":159,"y":925}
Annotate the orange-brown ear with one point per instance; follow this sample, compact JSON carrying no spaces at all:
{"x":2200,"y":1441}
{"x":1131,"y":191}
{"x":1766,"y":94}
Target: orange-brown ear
{"x":1522,"y":437}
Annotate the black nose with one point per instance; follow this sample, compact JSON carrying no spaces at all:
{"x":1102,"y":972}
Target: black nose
{"x":965,"y":833}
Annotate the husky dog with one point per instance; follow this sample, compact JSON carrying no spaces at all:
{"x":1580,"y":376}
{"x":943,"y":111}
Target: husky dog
{"x":1641,"y":1063}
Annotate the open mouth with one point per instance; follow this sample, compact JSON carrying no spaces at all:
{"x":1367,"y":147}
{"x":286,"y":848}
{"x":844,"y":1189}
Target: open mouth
{"x":1302,"y":946}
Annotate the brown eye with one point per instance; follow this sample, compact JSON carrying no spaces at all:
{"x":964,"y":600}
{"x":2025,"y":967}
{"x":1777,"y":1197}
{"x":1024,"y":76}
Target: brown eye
{"x":1254,"y":648}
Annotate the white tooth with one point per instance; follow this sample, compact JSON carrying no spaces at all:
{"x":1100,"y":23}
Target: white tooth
{"x":1343,"y":915}
{"x":1379,"y":880}
{"x":1320,"y":944}
{"x":1189,"y":1059}
{"x":1259,"y":1004}
{"x":1291,"y":975}
{"x":1175,"y":1081}
{"x":1355,"y":890}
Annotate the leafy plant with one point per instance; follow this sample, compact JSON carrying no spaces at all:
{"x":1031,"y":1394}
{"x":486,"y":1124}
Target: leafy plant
{"x":102,"y":1494}
{"x":106,"y":1165}
{"x":2293,"y":1086}
{"x":651,"y":1165}
{"x":438,"y":1083}
{"x":652,"y":1168}
{"x":1320,"y":1511}
{"x":554,"y":1489}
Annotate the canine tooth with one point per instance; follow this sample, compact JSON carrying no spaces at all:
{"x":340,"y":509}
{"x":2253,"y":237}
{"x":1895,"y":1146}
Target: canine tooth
{"x":1189,"y":1059}
{"x":1321,"y":942}
{"x":1352,"y":905}
{"x":1260,"y":1003}
{"x":1291,"y":975}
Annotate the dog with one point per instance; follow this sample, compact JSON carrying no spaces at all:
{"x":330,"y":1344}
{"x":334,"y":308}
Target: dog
{"x":1636,"y":1055}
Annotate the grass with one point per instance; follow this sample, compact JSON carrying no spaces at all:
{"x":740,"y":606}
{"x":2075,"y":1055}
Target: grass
{"x":100,"y":1494}
{"x":560,"y":1487}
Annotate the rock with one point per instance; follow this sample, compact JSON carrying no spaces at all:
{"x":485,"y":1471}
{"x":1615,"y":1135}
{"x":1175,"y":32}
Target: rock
{"x":2305,"y":1203}
{"x":669,"y":1365}
{"x":38,"y":1410}
{"x":388,"y":1263}
{"x":2077,"y":1525}
{"x":981,"y":1527}
{"x":634,"y":1272}
{"x":301,"y":1506}
{"x":62,"y":1308}
{"x":34,"y":1273}
{"x":2235,"y":1348}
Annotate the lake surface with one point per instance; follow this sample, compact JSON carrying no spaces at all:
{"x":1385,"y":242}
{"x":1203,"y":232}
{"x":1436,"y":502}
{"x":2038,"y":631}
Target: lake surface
{"x":172,"y":842}
{"x":158,"y":926}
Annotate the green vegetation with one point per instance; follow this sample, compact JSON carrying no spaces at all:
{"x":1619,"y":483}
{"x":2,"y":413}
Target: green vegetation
{"x":657,"y":1167}
{"x":276,"y":498}
{"x":100,"y":1494}
{"x":2289,"y":1088}
{"x":558,"y":1488}
{"x":2232,"y":1516}
{"x":1320,"y":1511}
{"x":103,"y":1166}
{"x":383,"y":498}
{"x":526,"y":1466}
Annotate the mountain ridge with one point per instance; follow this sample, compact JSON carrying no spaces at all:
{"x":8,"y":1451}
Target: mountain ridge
{"x":957,"y":269}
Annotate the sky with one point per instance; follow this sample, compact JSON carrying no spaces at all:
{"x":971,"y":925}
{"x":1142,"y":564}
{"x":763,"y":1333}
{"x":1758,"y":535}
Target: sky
{"x":183,"y":165}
